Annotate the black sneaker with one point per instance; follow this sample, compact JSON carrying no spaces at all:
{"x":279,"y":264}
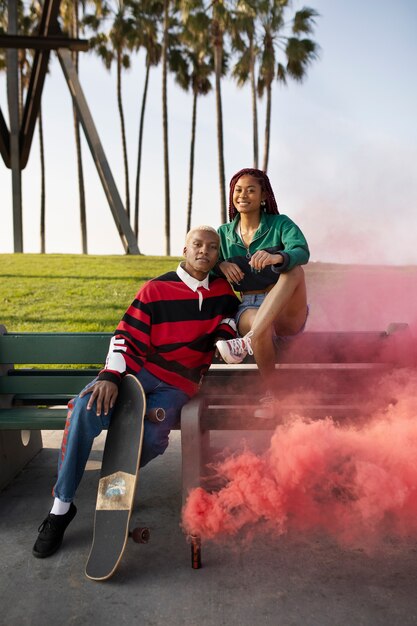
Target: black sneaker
{"x":51,"y":533}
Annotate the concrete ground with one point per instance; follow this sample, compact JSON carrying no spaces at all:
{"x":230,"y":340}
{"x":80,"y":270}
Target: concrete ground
{"x":290,"y":581}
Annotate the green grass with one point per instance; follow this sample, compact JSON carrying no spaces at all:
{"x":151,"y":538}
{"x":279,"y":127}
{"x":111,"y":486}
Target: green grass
{"x":71,"y":293}
{"x":77,"y":293}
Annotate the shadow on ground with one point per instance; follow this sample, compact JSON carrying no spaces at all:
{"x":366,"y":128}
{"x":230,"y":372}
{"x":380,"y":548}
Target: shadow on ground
{"x":293,"y":580}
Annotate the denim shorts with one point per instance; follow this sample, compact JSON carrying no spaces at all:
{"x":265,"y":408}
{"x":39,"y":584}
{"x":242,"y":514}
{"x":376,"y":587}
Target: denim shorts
{"x":254,"y":301}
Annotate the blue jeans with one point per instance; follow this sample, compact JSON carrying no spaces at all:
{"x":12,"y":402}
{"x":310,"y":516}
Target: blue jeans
{"x":84,"y":425}
{"x":254,"y":301}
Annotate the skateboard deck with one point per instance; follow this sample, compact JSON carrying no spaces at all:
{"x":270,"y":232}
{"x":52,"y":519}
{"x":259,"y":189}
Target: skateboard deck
{"x":118,"y":477}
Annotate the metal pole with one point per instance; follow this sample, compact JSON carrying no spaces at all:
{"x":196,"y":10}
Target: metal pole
{"x":119,"y":214}
{"x":13,"y":103}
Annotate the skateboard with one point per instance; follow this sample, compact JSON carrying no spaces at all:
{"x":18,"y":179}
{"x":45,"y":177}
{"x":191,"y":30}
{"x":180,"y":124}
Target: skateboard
{"x":117,"y":485}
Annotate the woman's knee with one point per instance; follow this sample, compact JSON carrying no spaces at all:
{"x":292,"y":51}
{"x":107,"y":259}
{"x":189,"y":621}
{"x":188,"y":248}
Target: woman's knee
{"x":296,"y":274}
{"x":262,"y":340}
{"x":246,"y":320}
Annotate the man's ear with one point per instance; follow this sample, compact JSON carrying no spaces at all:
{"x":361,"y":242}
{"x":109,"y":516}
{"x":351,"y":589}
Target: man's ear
{"x":184,"y":250}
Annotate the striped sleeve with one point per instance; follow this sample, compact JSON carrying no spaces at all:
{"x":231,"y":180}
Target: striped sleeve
{"x":166,"y":331}
{"x":226,"y":329}
{"x":130,"y":342}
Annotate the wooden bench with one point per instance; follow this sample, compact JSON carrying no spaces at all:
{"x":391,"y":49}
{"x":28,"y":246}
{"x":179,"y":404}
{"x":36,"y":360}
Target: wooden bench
{"x":339,"y":366}
{"x":34,"y":397}
{"x":318,"y":374}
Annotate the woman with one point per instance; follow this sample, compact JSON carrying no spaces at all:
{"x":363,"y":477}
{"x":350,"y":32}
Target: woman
{"x":261,"y":253}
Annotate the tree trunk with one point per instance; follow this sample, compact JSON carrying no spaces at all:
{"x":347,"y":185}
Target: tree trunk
{"x":142,"y":119}
{"x":218,"y":55}
{"x":254,"y":107}
{"x":42,"y":158}
{"x":80,"y":169}
{"x":81,"y":186}
{"x":191,"y":171}
{"x":165,"y":128}
{"x":267,"y":126}
{"x":21,"y":85}
{"x":122,"y":124}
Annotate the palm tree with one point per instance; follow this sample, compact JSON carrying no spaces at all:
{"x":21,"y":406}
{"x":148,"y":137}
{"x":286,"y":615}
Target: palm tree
{"x":171,"y":59}
{"x":70,"y":16}
{"x":164,"y":58}
{"x":220,"y":20}
{"x":146,"y":15}
{"x":28,"y":23}
{"x":3,"y":31}
{"x":43,"y":194}
{"x":115,"y":45}
{"x":195,"y":37}
{"x":243,"y":29}
{"x":298,"y":53}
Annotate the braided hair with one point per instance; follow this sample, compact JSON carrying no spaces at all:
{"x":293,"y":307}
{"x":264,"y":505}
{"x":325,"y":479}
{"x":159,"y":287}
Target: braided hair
{"x":263,"y":180}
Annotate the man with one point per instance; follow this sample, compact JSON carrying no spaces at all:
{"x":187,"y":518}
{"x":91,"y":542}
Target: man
{"x":167,"y":339}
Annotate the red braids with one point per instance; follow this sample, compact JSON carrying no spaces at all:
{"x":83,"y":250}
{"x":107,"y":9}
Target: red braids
{"x":262,"y":178}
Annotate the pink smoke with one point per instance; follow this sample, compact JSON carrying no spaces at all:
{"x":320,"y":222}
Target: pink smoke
{"x":344,"y":297}
{"x":357,"y":483}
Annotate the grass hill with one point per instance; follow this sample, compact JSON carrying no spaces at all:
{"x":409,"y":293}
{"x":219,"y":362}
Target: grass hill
{"x":57,"y":292}
{"x":62,"y":292}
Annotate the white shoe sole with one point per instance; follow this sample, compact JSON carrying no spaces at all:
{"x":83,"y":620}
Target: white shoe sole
{"x":227,"y":357}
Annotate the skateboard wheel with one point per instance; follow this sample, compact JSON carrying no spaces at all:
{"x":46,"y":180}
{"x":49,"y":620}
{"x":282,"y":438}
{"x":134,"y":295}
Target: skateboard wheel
{"x":140,"y":535}
{"x":156,"y":415}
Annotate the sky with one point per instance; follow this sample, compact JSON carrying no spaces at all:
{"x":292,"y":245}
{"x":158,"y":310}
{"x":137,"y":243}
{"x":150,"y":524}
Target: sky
{"x":343,"y":155}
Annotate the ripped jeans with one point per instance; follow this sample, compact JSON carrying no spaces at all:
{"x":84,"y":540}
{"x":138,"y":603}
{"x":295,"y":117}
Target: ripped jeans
{"x":84,"y":425}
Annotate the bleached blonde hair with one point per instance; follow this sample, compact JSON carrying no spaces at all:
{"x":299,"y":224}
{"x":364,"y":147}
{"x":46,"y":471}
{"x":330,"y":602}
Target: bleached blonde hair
{"x":204,"y":227}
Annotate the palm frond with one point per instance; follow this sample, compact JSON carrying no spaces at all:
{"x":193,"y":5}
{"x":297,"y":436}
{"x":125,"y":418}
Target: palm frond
{"x":281,"y":74}
{"x":300,"y":54}
{"x":304,"y":21}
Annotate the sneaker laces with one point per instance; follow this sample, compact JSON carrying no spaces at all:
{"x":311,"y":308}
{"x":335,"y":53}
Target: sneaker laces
{"x":47,"y":524}
{"x":240,"y":344}
{"x":54,"y":523}
{"x":248,"y":342}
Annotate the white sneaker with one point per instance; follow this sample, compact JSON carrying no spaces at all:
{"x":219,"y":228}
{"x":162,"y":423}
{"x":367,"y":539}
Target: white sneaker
{"x":235,"y":350}
{"x":267,"y":407}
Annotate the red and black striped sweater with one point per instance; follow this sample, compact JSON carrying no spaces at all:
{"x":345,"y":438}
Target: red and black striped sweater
{"x":165,"y":331}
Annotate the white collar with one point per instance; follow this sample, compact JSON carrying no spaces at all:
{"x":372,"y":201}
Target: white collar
{"x":192,"y":282}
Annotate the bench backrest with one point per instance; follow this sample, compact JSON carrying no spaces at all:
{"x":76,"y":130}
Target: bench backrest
{"x":311,"y":350}
{"x":309,"y":347}
{"x":54,"y":348}
{"x":86,"y":351}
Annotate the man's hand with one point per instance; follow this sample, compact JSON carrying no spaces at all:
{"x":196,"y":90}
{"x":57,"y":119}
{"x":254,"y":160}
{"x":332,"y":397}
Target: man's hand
{"x":104,"y":393}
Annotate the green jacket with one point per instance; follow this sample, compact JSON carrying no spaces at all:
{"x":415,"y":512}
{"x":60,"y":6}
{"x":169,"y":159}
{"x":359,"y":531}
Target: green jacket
{"x":276,"y":233}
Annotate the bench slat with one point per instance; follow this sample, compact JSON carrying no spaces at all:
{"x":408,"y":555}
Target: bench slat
{"x":44,"y":385}
{"x":223,"y":417}
{"x":340,"y":347}
{"x":48,"y":348}
{"x":32,"y":418}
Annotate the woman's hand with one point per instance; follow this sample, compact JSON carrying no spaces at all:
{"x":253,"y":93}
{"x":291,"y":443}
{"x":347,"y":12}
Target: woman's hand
{"x":232,"y":272}
{"x":262,"y":259}
{"x":104,"y":392}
